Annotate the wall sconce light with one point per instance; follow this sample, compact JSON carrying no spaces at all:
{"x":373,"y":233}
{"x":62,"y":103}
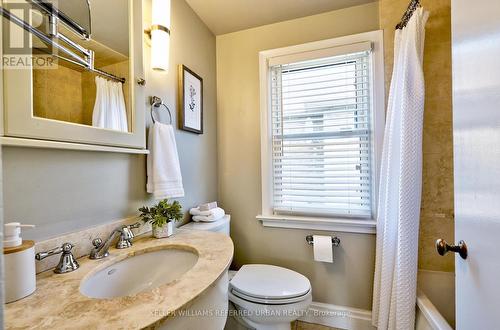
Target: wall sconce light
{"x":160,"y":35}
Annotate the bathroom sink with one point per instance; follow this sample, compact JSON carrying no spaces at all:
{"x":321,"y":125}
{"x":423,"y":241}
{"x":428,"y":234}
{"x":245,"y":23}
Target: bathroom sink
{"x":141,"y":272}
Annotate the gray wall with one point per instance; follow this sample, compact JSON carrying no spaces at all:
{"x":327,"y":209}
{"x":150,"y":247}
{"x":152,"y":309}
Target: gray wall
{"x":62,"y":191}
{"x":348,"y":281}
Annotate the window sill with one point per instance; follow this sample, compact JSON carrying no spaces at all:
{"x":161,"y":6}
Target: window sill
{"x":326,"y":224}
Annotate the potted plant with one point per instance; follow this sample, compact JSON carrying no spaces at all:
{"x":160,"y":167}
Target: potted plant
{"x":161,"y":217}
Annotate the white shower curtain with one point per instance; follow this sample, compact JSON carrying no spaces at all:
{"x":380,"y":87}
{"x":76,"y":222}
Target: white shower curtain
{"x":394,"y":295}
{"x":109,"y":108}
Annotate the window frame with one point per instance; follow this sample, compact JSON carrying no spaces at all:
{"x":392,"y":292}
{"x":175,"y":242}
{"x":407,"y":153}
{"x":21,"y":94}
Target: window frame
{"x":307,"y":51}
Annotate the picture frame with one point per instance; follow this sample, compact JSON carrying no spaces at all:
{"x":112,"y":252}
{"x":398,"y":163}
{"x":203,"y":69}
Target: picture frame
{"x":190,"y":100}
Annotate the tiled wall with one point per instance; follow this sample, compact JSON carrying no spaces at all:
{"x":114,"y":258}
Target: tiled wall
{"x":57,"y":94}
{"x":437,"y":196}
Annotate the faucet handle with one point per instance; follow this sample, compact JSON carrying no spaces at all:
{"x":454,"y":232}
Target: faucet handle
{"x":67,"y":247}
{"x":42,"y":255}
{"x":67,"y":262}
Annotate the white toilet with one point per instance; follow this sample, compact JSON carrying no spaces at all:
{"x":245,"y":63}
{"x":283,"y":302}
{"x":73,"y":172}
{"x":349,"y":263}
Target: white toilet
{"x":263,"y":296}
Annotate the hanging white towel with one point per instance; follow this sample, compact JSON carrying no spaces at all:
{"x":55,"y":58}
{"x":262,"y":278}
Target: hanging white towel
{"x":163,"y":169}
{"x":398,"y":213}
{"x":109,"y":108}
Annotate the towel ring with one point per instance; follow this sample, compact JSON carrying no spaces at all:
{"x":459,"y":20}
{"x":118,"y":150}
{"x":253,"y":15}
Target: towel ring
{"x":156,"y":102}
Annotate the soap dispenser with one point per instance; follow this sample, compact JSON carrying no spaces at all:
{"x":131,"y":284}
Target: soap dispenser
{"x":19,"y":262}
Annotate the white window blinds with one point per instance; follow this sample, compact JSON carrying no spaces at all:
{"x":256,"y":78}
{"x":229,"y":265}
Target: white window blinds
{"x":321,"y":136}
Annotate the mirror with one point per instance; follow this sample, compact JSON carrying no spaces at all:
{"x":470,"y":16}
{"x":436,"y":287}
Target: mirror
{"x":70,"y":93}
{"x":74,"y":13}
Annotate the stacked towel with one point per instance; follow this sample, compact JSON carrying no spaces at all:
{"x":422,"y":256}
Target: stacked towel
{"x":164,"y":171}
{"x":208,"y":206}
{"x":207,"y":216}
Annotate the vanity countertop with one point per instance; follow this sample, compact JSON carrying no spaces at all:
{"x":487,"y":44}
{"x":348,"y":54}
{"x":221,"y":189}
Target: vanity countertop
{"x":58,"y":304}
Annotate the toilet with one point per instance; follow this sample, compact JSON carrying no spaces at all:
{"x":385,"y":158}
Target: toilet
{"x":262,"y":297}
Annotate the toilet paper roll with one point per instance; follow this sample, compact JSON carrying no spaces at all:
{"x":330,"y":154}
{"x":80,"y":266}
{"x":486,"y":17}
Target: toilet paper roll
{"x":323,"y":249}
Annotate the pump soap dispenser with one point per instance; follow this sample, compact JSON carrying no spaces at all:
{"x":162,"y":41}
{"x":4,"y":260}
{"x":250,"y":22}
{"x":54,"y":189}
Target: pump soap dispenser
{"x":19,"y":258}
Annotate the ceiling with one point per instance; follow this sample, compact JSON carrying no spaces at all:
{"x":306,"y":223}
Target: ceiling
{"x":224,"y":16}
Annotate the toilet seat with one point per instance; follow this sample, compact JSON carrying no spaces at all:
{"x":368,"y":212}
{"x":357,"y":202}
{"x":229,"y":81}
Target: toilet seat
{"x":268,"y":301}
{"x":267,"y":284}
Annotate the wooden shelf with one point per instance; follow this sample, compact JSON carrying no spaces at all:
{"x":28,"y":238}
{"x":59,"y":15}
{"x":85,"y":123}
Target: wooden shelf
{"x":46,"y":144}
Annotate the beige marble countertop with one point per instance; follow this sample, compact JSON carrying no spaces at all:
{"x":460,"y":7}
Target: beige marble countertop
{"x":58,"y":304}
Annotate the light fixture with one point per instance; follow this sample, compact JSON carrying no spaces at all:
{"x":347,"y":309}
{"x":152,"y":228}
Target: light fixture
{"x":160,"y":35}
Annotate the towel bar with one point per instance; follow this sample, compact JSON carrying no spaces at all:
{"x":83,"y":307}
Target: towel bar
{"x":156,"y":102}
{"x":335,"y":240}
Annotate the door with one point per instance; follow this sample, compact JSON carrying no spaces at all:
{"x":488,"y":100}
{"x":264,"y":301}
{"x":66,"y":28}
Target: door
{"x":476,"y":134}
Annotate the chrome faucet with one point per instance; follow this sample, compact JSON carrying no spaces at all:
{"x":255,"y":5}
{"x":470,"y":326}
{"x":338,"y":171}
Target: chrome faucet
{"x":67,"y":262}
{"x":101,"y":248}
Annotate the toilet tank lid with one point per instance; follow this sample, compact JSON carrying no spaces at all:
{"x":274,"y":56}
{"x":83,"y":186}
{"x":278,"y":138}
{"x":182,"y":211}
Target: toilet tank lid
{"x":208,"y":226}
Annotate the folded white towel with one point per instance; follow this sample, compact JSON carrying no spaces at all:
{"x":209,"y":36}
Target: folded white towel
{"x":200,"y":218}
{"x":203,"y":216}
{"x":207,"y":206}
{"x":197,"y":211}
{"x":163,"y":169}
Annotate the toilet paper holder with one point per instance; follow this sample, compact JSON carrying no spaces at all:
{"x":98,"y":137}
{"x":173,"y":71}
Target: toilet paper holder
{"x":335,"y":240}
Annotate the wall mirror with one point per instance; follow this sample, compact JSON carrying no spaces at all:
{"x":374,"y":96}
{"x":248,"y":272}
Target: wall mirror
{"x":79,"y":12}
{"x":88,"y":93}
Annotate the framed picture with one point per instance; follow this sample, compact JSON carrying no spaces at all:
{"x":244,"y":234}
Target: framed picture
{"x":190,"y":101}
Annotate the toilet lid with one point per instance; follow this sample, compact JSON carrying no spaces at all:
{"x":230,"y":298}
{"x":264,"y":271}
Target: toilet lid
{"x":269,"y":282}
{"x":266,"y":301}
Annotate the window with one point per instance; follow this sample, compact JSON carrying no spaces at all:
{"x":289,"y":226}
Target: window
{"x":321,"y":129}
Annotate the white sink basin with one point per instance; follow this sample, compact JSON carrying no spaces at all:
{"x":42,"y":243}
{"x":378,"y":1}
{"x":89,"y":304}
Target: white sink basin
{"x":138,"y":273}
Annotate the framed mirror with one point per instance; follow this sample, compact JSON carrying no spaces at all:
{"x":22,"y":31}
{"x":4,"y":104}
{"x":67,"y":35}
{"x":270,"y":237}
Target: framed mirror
{"x":91,"y":98}
{"x":75,"y":14}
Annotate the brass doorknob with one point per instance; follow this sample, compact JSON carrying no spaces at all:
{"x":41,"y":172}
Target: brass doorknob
{"x":442,"y":248}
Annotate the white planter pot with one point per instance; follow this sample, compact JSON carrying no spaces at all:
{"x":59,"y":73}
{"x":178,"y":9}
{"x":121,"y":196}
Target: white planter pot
{"x":163,"y":231}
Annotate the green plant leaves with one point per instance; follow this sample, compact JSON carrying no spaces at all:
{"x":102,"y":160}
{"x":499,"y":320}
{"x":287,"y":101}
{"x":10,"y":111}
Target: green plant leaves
{"x":161,"y":213}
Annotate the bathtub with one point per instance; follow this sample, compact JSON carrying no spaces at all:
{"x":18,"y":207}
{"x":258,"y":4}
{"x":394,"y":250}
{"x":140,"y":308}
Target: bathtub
{"x":435,"y":301}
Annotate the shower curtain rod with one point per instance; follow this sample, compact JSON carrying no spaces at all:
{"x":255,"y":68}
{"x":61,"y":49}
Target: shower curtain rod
{"x":75,"y":59}
{"x":414,"y":4}
{"x":94,"y":70}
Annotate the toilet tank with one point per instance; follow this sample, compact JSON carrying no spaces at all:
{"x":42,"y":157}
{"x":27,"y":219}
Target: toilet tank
{"x":219,"y":226}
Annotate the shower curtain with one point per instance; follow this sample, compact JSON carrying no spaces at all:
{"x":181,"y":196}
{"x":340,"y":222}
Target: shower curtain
{"x":398,"y":212}
{"x":109,"y":108}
